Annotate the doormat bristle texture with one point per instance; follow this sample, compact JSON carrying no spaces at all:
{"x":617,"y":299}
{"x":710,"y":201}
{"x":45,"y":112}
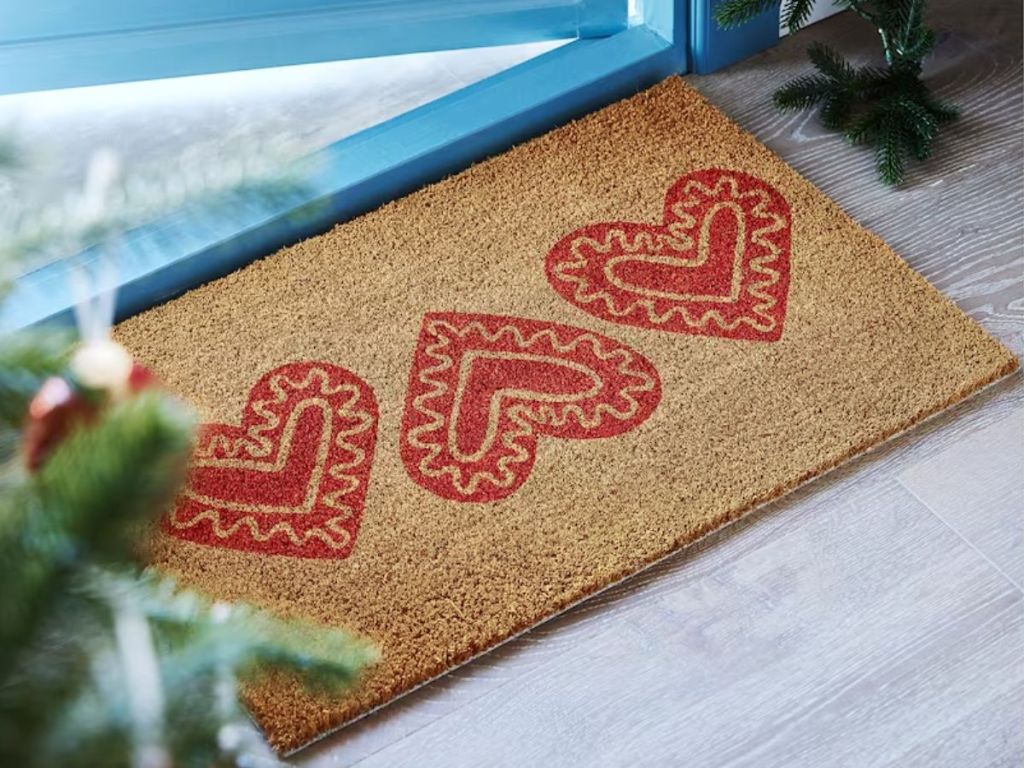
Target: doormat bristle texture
{"x":449,"y":419}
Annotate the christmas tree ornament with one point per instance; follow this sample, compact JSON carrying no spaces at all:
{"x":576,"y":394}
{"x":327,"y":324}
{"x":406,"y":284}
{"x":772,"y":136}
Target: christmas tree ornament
{"x":52,"y":413}
{"x":100,"y":373}
{"x":104,"y":366}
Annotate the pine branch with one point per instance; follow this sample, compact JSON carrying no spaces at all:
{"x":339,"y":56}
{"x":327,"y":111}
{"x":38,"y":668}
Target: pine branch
{"x":890,"y":159}
{"x":940,"y":110}
{"x":888,"y":108}
{"x":864,"y":130}
{"x":918,"y":47}
{"x":254,"y":175}
{"x":26,"y":360}
{"x":803,"y":92}
{"x":136,"y":457}
{"x":831,"y":64}
{"x":202,"y":646}
{"x":83,"y":506}
{"x":836,"y":111}
{"x":795,"y":13}
{"x":916,"y":117}
{"x":733,"y":13}
{"x":860,"y":7}
{"x":52,"y":672}
{"x":872,"y":84}
{"x":246,"y":638}
{"x":75,"y":690}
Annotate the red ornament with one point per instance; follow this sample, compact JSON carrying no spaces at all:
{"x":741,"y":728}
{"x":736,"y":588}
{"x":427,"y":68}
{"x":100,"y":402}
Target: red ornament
{"x":103,"y":372}
{"x":55,"y":410}
{"x":140,"y":378}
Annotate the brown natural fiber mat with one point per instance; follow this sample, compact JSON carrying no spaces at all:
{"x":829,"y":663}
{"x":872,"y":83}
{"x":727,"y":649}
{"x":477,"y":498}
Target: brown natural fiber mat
{"x":449,"y":419}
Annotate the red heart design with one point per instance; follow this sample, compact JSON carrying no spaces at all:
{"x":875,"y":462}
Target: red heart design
{"x":717,"y":266}
{"x":291,"y":479}
{"x":483,"y":387}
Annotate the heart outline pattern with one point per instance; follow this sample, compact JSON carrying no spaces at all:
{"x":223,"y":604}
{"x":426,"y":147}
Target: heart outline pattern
{"x":584,"y":385}
{"x":291,"y":479}
{"x":737,"y":295}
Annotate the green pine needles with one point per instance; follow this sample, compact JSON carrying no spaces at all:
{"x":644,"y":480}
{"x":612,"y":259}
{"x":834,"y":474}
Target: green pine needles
{"x":102,"y":662}
{"x":888,"y":108}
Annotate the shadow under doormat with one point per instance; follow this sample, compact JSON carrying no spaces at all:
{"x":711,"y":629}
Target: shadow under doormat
{"x":451,"y":418}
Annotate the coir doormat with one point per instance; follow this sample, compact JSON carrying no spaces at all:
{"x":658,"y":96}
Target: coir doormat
{"x":453,"y":417}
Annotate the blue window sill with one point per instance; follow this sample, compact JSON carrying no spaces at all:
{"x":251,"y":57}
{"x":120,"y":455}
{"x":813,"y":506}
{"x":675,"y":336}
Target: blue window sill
{"x":57,"y":44}
{"x":172,"y":255}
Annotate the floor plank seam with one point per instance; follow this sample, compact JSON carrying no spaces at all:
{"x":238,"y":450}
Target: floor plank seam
{"x":960,"y":536}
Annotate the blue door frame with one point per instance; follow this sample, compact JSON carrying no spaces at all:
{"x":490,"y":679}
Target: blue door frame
{"x":47,"y":44}
{"x":166,"y":258}
{"x":712,"y":48}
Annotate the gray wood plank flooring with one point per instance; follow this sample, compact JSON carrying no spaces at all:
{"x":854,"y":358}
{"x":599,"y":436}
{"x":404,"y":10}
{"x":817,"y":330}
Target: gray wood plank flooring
{"x":818,"y":642}
{"x":874,"y":618}
{"x":973,"y":468}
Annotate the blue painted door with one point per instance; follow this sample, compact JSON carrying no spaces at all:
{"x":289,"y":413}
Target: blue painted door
{"x":62,"y":43}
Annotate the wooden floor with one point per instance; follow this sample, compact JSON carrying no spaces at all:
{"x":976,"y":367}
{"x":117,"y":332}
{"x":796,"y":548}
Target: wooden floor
{"x":874,"y":618}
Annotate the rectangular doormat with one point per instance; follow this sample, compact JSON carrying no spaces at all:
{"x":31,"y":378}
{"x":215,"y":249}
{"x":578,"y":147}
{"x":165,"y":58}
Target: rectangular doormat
{"x":447,"y":420}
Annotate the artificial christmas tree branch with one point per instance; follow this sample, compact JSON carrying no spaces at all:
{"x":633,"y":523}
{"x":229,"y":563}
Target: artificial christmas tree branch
{"x":103,"y":663}
{"x":26,"y":361}
{"x":889,"y":108}
{"x":67,"y":547}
